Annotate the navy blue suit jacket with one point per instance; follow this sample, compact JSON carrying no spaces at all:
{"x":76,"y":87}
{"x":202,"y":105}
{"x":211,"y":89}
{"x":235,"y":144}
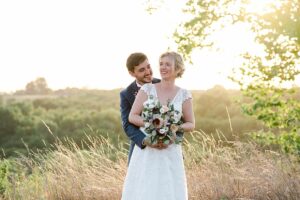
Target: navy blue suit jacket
{"x":127,"y":97}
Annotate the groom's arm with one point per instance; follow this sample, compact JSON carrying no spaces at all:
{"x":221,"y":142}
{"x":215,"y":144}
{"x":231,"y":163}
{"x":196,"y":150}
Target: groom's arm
{"x":133,"y":132}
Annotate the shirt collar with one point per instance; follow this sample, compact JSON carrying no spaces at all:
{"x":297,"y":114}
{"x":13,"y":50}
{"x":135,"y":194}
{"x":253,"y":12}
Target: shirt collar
{"x":137,"y":84}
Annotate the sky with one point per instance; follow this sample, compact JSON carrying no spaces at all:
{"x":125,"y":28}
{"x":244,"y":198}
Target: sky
{"x":84,"y":44}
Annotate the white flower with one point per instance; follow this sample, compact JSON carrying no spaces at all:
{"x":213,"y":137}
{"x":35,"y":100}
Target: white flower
{"x":176,"y":117}
{"x":147,"y":124}
{"x":162,"y":131}
{"x":156,"y":116}
{"x":154,"y":132}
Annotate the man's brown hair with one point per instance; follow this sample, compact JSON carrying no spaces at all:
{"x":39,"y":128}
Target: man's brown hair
{"x":135,"y":59}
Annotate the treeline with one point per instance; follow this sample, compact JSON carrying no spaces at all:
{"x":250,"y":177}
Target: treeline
{"x":219,"y":110}
{"x":36,"y":121}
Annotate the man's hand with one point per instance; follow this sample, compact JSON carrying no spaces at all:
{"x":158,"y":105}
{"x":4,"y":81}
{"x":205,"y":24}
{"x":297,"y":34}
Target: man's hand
{"x":160,"y":145}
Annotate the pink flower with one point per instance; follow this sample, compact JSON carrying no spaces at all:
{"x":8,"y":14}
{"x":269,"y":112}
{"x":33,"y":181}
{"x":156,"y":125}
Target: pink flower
{"x":174,"y":128}
{"x":164,"y":109}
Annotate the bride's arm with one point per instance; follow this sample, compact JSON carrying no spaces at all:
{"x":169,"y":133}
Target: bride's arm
{"x":136,"y":110}
{"x":188,"y":116}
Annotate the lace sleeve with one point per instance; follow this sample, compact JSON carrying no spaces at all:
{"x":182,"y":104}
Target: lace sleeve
{"x":147,"y":88}
{"x":186,"y":95}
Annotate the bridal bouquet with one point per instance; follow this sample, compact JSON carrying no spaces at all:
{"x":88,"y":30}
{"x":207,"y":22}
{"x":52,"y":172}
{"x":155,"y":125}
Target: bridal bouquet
{"x":161,"y":122}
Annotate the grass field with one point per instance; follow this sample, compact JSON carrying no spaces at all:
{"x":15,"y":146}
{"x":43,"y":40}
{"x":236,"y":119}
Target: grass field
{"x":215,"y":168}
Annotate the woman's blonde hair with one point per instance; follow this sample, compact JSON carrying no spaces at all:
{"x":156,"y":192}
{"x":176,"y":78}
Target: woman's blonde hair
{"x":178,"y":60}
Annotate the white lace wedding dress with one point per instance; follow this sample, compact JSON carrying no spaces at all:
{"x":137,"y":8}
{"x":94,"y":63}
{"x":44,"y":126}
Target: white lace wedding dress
{"x":157,"y":174}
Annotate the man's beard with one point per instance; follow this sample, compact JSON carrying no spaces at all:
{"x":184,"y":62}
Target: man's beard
{"x":147,"y":78}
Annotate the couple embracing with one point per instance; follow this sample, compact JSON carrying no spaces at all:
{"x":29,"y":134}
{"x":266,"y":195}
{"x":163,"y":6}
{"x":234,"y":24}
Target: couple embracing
{"x":155,"y":113}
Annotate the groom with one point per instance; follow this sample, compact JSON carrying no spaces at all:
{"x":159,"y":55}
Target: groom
{"x":138,"y":67}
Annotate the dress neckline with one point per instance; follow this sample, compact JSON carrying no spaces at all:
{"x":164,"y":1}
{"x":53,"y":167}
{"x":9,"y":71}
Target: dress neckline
{"x":171,"y":100}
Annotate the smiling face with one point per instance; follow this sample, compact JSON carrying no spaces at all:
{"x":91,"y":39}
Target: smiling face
{"x":171,"y":65}
{"x":167,"y":68}
{"x":142,"y":72}
{"x":139,"y":67}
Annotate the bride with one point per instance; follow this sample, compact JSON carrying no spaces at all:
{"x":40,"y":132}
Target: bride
{"x":155,"y":174}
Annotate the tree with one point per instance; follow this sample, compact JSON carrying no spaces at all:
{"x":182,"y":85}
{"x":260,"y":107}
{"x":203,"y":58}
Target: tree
{"x":38,"y":86}
{"x":267,"y":79}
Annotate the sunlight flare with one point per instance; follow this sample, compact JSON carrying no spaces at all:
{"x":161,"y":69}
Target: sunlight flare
{"x":263,"y":6}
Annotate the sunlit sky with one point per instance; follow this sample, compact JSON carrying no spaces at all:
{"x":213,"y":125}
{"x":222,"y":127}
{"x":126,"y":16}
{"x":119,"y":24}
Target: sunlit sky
{"x":84,"y":44}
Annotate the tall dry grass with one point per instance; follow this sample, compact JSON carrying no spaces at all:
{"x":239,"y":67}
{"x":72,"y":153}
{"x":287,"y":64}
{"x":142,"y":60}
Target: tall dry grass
{"x":215,"y":168}
{"x":220,"y":169}
{"x":69,"y":173}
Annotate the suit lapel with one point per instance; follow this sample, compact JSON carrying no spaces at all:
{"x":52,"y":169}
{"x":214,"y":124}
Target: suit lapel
{"x":132,"y":90}
{"x":155,"y":80}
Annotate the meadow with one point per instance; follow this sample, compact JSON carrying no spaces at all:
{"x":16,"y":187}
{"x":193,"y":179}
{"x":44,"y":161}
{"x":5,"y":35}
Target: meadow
{"x":215,"y":168}
{"x":70,"y":145}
